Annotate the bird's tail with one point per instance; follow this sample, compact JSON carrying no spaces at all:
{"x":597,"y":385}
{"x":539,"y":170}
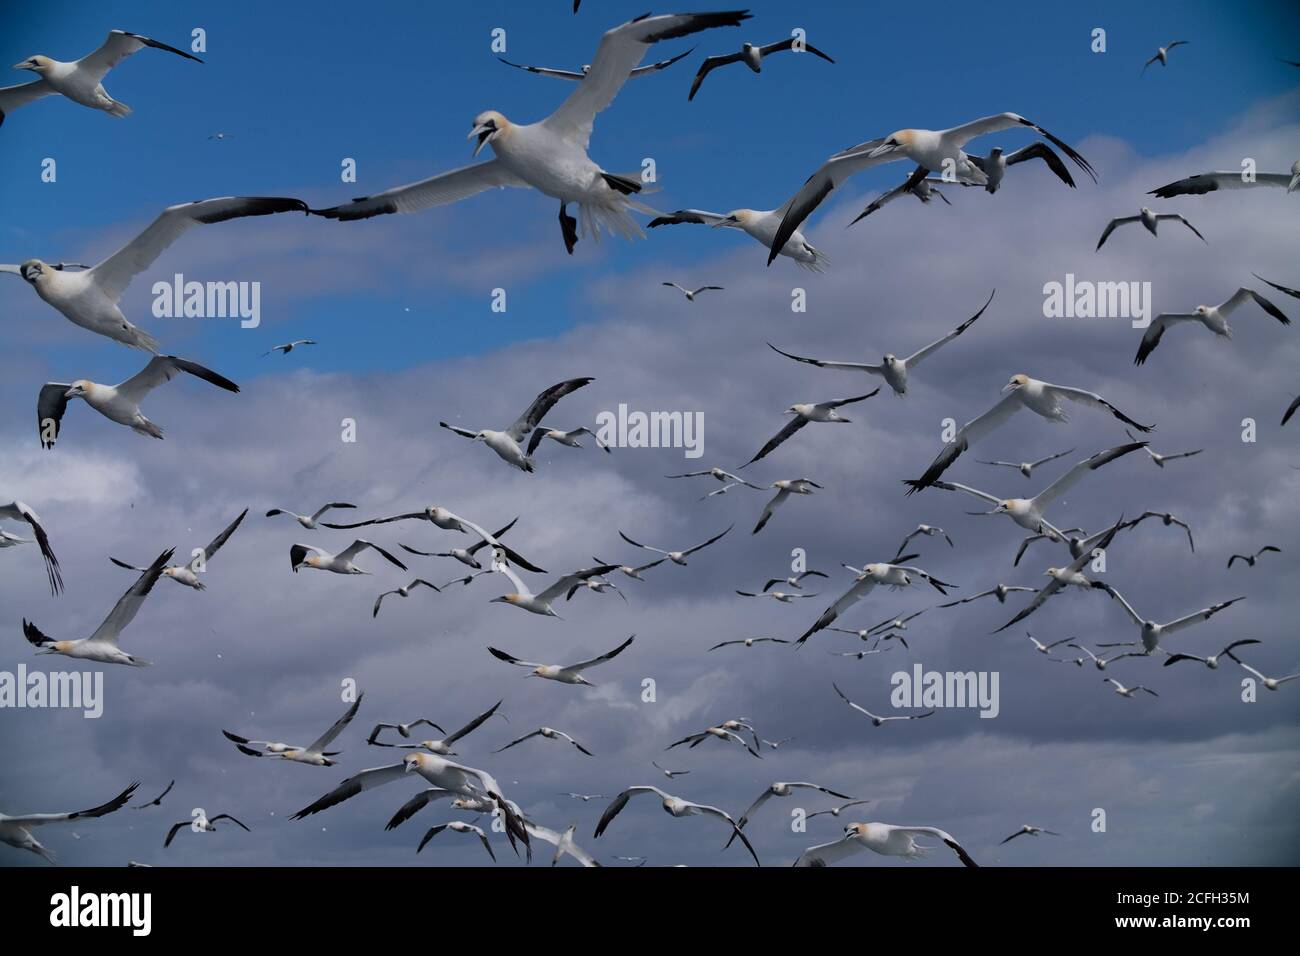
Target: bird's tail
{"x":138,"y":338}
{"x":146,"y":427}
{"x":117,"y":109}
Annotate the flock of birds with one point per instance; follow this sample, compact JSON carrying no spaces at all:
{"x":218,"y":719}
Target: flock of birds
{"x":551,"y":156}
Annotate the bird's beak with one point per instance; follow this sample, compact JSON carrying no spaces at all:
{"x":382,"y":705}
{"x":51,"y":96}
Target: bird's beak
{"x":409,"y":767}
{"x":24,"y":65}
{"x":483,"y":133}
{"x":70,"y":393}
{"x":729,"y":221}
{"x":1008,"y":387}
{"x":882,"y":150}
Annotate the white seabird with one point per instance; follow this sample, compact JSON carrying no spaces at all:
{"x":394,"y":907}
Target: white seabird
{"x":1148,"y":219}
{"x":582,"y":74}
{"x":90,"y":298}
{"x":540,"y":603}
{"x":563,"y":843}
{"x":752,"y":56}
{"x":923,"y":189}
{"x":692,"y":293}
{"x":836,"y":811}
{"x":805,"y":412}
{"x":440,"y":747}
{"x":883,"y":838}
{"x":795,"y":580}
{"x":549,"y":733}
{"x":18,"y":511}
{"x":1046,"y":648}
{"x":16,"y":830}
{"x":101,"y":646}
{"x":1213,"y":317}
{"x":749,"y":642}
{"x":1270,"y":683}
{"x":1250,"y":559}
{"x":404,"y":591}
{"x":676,"y":557}
{"x":1162,"y":54}
{"x":720,"y":732}
{"x":288,"y":347}
{"x":310,"y":556}
{"x":201,"y":824}
{"x":1042,"y":398}
{"x":935,"y":151}
{"x":929,"y":531}
{"x":1159,"y":459}
{"x":314,"y":754}
{"x":995,"y":164}
{"x":878,"y":721}
{"x":506,"y":443}
{"x":309,"y":521}
{"x":188,"y":574}
{"x":568,"y":439}
{"x":782,"y":789}
{"x":448,"y":521}
{"x":1212,"y":662}
{"x":1127,"y":691}
{"x":1026,"y":468}
{"x":889,"y":575}
{"x":156,"y":801}
{"x":668,"y":773}
{"x":1069,"y":576}
{"x":81,"y":81}
{"x":1203,"y":183}
{"x":457,"y":826}
{"x":551,"y":155}
{"x":563,"y":673}
{"x":1029,"y":830}
{"x":118,"y":403}
{"x":891,"y":368}
{"x":1000,"y":592}
{"x":785,"y":487}
{"x":759,"y":224}
{"x":674,"y":806}
{"x":1150,"y":633}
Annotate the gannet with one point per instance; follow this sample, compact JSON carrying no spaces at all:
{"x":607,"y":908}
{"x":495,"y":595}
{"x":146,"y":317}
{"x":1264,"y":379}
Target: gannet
{"x":877,"y":721}
{"x":782,"y":789}
{"x":785,"y":597}
{"x":1000,"y":592}
{"x":795,"y":580}
{"x":633,"y":572}
{"x":447,"y":521}
{"x":563,"y":843}
{"x":16,"y":831}
{"x":923,"y":189}
{"x":90,"y":298}
{"x":1098,"y":662}
{"x":692,"y":293}
{"x":760,"y":224}
{"x":309,"y":556}
{"x":894,"y":624}
{"x":1148,"y":219}
{"x":784,"y":489}
{"x":805,"y":412}
{"x":1150,"y":632}
{"x":883,"y":838}
{"x":551,"y":155}
{"x":521,"y":597}
{"x":752,"y":56}
{"x":1159,"y":459}
{"x":569,"y":438}
{"x":1162,"y":54}
{"x":836,"y":811}
{"x":1203,"y":183}
{"x":1127,"y":691}
{"x":550,"y":734}
{"x":1166,"y":519}
{"x":750,"y":642}
{"x":442,"y":773}
{"x":81,"y":80}
{"x":719,"y":474}
{"x":994,"y":165}
{"x":506,"y":443}
{"x":188,"y":574}
{"x":935,"y":151}
{"x":892,"y":369}
{"x":1250,"y":559}
{"x":18,"y":511}
{"x":404,"y":591}
{"x":288,"y":347}
{"x":1212,"y":662}
{"x":668,"y":773}
{"x":156,"y":801}
{"x":674,"y":806}
{"x":1047,"y":648}
{"x":724,"y":734}
{"x":457,"y":826}
{"x":201,"y":824}
{"x":889,"y":575}
{"x":1069,"y":576}
{"x":118,"y":403}
{"x":929,"y":531}
{"x":1026,"y":468}
{"x":314,"y":754}
{"x":582,"y":74}
{"x":440,"y":747}
{"x":1029,"y":513}
{"x":1270,"y":683}
{"x":1041,"y":398}
{"x":676,"y":557}
{"x":1213,"y":317}
{"x":102,"y":646}
{"x":472,"y":804}
{"x":309,"y":521}
{"x":564,"y":673}
{"x":1029,"y":830}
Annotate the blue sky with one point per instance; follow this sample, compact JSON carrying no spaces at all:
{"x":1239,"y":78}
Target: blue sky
{"x":400,"y":306}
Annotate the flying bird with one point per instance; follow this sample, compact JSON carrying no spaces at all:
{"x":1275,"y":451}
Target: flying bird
{"x":582,"y":74}
{"x":1213,"y":317}
{"x":1046,"y":648}
{"x":402,"y":592}
{"x":309,"y":521}
{"x":550,"y":734}
{"x":81,"y":81}
{"x":677,"y":557}
{"x":90,"y":298}
{"x":669,"y":773}
{"x":288,"y":347}
{"x":448,"y":521}
{"x":1212,"y":662}
{"x":569,"y":438}
{"x":1148,"y":219}
{"x":1250,"y":559}
{"x":102,"y":646}
{"x":506,"y":443}
{"x":722,"y":733}
{"x":923,"y":189}
{"x":563,"y":843}
{"x":457,"y":826}
{"x":118,"y":403}
{"x":18,"y":511}
{"x":995,"y":165}
{"x":1159,"y":459}
{"x":1029,"y":830}
{"x":752,"y":56}
{"x":691,"y":294}
{"x":750,"y":642}
{"x":1166,"y":519}
{"x":934,"y":151}
{"x":782,"y":789}
{"x":156,"y":801}
{"x":1000,"y":592}
{"x":1162,"y":55}
{"x":891,"y":368}
{"x":929,"y":531}
{"x":1026,"y":468}
{"x":1128,"y":691}
{"x":759,"y":224}
{"x":1042,"y":398}
{"x":836,"y":811}
{"x":804,"y":413}
{"x":551,"y":155}
{"x":309,"y":556}
{"x":784,"y":489}
{"x":188,"y":574}
{"x":16,"y":830}
{"x":440,"y":747}
{"x":673,"y":806}
{"x":541,"y":603}
{"x":877,"y":721}
{"x":314,"y":754}
{"x":201,"y":824}
{"x":1203,"y":183}
{"x":1150,"y":632}
{"x":784,"y":597}
{"x":890,"y":575}
{"x":1069,"y":576}
{"x":794,"y":580}
{"x":563,"y":673}
{"x":883,"y":838}
{"x":1270,"y":683}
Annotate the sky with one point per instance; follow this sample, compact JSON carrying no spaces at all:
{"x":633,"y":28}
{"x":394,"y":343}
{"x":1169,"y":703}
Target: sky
{"x":401,"y":307}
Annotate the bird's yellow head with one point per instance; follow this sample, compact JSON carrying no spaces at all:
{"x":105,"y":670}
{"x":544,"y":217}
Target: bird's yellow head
{"x":487,"y":127}
{"x":79,"y":389}
{"x":1017,"y":381}
{"x":37,"y":64}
